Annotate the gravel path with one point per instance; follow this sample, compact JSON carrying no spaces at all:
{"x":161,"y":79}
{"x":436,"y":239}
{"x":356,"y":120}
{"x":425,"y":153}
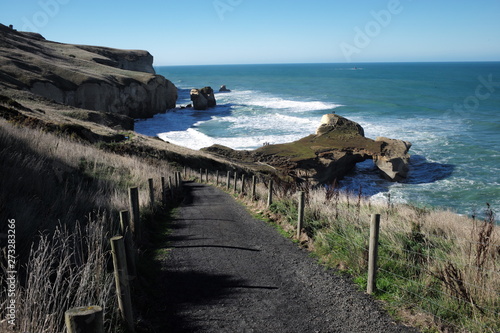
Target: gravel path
{"x":228,"y":272}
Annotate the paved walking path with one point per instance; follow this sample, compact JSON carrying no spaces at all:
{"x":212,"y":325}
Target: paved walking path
{"x":228,"y":272}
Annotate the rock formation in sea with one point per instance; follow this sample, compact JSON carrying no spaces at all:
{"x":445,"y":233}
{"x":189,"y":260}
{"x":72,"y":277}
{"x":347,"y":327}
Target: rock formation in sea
{"x":203,"y":98}
{"x":88,"y":77}
{"x":329,"y":154}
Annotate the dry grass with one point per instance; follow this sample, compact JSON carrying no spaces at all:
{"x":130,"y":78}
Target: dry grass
{"x":437,"y":270}
{"x":65,"y":197}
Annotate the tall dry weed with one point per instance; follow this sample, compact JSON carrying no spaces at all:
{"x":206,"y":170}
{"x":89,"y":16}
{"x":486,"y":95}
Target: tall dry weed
{"x":50,"y":185}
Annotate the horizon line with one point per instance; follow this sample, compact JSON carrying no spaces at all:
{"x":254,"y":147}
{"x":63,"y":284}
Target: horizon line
{"x":336,"y":63}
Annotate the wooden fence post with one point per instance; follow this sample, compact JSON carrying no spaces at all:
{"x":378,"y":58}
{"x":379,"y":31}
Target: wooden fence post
{"x":122,"y":281}
{"x":201,"y":175}
{"x":185,"y":172}
{"x":270,"y":194}
{"x":373,"y":254}
{"x":135,"y":219}
{"x":163,"y":192}
{"x":179,"y":175}
{"x":85,"y":319}
{"x":206,"y":176}
{"x":228,"y":180}
{"x":235,"y":175}
{"x":129,"y":245}
{"x":217,"y":178}
{"x":300,"y":220}
{"x":254,"y":184}
{"x":243,"y":184}
{"x":151,"y":193}
{"x":171,"y":186}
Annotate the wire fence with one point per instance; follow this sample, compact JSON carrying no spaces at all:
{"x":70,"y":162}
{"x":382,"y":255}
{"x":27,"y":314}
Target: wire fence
{"x":453,"y":281}
{"x":452,"y":278}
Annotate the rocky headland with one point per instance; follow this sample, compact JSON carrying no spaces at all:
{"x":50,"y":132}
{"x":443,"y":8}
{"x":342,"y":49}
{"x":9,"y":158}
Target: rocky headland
{"x":329,"y":154}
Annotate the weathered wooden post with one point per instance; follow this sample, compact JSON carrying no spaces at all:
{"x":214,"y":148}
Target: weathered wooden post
{"x":177,"y":180}
{"x":129,"y":244}
{"x":185,"y":172}
{"x":228,"y":180}
{"x":122,"y":281}
{"x":206,"y":176}
{"x":171,"y":186}
{"x":201,"y":175}
{"x":151,"y":193}
{"x":270,"y":194}
{"x":84,"y":319}
{"x":217,"y":178}
{"x":254,"y":185}
{"x":373,"y":254}
{"x":235,"y":175}
{"x":300,"y":220}
{"x":135,"y":219}
{"x":179,"y":175}
{"x":243,"y":184}
{"x":163,"y":192}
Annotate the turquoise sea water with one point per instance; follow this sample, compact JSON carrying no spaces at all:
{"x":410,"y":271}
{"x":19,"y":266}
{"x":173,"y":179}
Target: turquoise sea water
{"x":448,"y":111}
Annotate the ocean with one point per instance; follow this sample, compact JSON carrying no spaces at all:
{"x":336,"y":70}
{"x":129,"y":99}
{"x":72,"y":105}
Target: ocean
{"x":448,"y":111}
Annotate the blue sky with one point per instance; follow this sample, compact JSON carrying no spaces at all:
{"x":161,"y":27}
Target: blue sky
{"x":196,"y":32}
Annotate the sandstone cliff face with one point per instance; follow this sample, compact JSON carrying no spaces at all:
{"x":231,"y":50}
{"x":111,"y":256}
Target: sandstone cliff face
{"x":89,"y":77}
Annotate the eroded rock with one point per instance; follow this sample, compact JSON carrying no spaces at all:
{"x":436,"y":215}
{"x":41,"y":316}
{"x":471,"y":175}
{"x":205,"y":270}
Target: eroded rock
{"x":394,"y":159}
{"x":330,"y":154}
{"x":203,"y":98}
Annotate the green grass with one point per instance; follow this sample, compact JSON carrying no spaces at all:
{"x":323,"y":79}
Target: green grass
{"x":424,"y":259}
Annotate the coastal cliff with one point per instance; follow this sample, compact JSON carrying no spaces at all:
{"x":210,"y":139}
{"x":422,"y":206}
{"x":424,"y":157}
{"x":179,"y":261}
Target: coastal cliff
{"x":88,"y":77}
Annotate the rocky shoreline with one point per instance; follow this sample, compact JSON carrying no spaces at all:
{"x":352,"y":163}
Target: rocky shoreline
{"x":329,"y":154}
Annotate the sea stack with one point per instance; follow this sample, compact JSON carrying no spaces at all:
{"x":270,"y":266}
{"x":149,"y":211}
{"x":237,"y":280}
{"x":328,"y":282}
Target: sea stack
{"x":203,"y":98}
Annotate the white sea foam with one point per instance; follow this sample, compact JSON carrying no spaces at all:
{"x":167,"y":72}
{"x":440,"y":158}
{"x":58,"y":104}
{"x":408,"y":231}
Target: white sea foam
{"x":242,"y":120}
{"x":268,"y":101}
{"x":268,"y":122}
{"x":194,"y":139}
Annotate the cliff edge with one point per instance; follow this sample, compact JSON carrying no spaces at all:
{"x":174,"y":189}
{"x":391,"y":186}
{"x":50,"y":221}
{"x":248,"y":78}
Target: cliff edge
{"x":88,"y":77}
